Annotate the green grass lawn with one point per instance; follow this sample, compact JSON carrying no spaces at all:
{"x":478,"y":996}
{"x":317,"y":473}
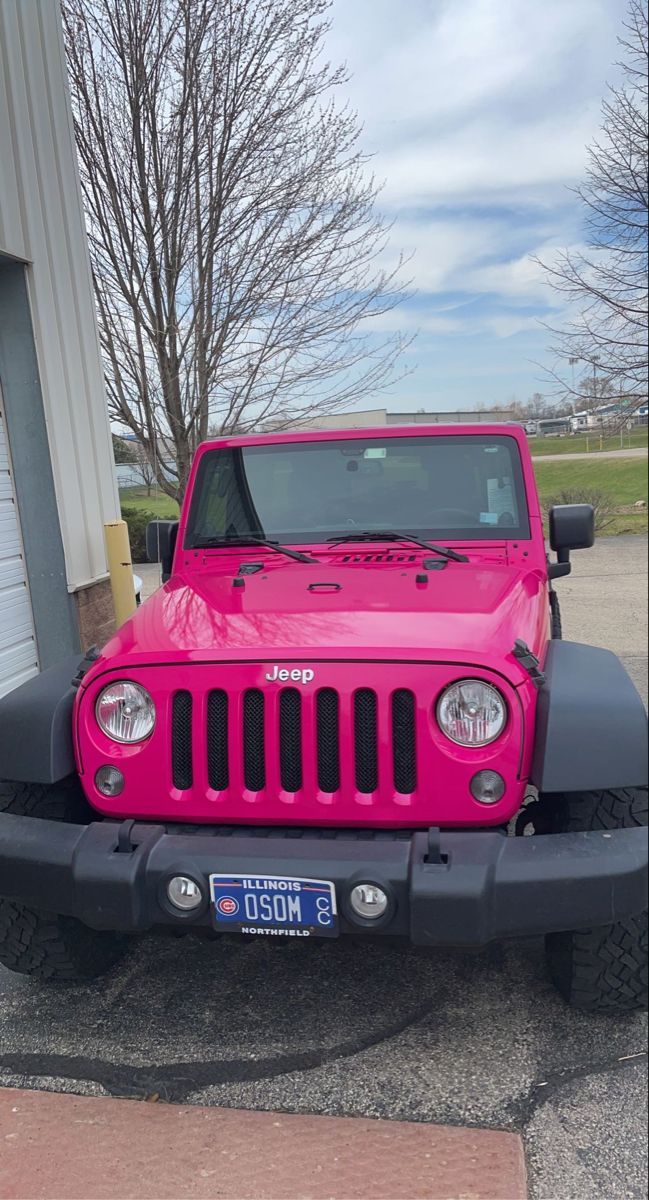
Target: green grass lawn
{"x":624,"y":479}
{"x":621,"y":481}
{"x":625,"y":523}
{"x":590,"y":443}
{"x":160,"y":505}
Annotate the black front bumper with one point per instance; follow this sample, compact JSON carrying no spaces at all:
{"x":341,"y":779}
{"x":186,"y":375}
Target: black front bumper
{"x":448,"y":888}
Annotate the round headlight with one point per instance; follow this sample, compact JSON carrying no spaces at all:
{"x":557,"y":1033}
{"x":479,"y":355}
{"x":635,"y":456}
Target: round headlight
{"x":471,"y":713}
{"x":125,"y":712}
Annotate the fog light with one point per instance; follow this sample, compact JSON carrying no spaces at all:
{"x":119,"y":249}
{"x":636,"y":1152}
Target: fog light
{"x":184,"y":893}
{"x":488,"y":787}
{"x":368,"y":900}
{"x":109,"y":781}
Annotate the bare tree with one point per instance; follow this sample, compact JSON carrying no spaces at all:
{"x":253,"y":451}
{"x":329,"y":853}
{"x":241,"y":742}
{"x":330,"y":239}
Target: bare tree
{"x":608,"y":281}
{"x":143,"y":469}
{"x":235,"y":245}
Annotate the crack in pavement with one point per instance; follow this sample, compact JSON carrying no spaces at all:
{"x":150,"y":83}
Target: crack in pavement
{"x":540,"y":1091}
{"x":174,"y":1082}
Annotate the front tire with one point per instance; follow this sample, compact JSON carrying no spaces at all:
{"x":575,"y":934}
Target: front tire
{"x":605,"y":969}
{"x":46,"y":945}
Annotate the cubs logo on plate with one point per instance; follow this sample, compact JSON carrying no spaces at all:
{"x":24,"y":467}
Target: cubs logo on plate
{"x":227,"y":906}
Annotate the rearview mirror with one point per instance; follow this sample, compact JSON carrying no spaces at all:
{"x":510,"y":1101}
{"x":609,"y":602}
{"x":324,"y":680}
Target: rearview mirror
{"x":572,"y":527}
{"x":161,"y":544}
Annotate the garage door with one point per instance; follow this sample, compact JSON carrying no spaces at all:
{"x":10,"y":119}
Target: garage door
{"x":18,"y":657}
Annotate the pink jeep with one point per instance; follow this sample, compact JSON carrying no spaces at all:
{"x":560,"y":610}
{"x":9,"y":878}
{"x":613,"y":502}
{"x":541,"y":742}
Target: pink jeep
{"x":329,"y":721}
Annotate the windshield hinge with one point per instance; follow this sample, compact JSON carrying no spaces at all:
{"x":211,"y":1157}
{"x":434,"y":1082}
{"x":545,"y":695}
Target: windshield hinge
{"x":84,"y":666}
{"x":529,"y":662}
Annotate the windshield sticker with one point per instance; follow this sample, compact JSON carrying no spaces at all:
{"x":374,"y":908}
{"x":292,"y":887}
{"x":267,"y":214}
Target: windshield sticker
{"x":500,"y":497}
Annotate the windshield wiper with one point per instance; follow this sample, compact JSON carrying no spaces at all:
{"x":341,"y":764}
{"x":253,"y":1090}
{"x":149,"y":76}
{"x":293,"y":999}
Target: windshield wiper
{"x":391,"y":535}
{"x":213,"y":543}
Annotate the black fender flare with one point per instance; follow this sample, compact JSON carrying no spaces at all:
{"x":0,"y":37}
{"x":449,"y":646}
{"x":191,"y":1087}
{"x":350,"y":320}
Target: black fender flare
{"x":591,"y":724}
{"x":36,"y":743}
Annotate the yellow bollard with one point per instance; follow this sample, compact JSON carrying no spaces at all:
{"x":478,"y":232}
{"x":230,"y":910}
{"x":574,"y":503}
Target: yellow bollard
{"x":121,"y":570}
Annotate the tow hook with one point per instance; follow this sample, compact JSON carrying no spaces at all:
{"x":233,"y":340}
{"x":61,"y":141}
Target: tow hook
{"x":125,"y":843}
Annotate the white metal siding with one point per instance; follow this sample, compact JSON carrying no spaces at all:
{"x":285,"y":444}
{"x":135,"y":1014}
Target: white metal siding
{"x":41,"y":221}
{"x":18,"y":656}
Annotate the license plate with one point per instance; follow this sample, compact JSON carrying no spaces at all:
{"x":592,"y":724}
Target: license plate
{"x":274,"y":905}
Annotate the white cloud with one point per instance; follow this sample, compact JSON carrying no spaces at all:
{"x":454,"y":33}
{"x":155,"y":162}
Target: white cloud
{"x":440,"y":60}
{"x":478,"y":113}
{"x":475,"y":256}
{"x":489,"y":160}
{"x":409,"y":320}
{"x":440,"y":247}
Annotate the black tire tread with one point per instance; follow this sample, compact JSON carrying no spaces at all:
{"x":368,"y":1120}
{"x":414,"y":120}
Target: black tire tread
{"x":46,"y":945}
{"x":62,"y":801}
{"x":605,"y":969}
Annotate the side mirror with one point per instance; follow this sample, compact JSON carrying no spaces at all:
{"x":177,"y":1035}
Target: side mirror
{"x":572,"y":527}
{"x":161,"y":544}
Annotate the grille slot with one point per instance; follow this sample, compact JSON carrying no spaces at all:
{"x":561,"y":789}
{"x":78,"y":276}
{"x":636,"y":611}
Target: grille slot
{"x":181,"y":741}
{"x":254,"y":756}
{"x":404,"y":747}
{"x":365,"y":740}
{"x":328,"y":739}
{"x":290,"y":739}
{"x":218,"y":772}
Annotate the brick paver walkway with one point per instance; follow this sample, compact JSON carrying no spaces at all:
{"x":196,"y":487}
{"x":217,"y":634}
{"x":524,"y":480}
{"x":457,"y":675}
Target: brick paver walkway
{"x":63,"y":1147}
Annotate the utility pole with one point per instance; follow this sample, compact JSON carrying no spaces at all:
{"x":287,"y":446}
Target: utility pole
{"x":595,"y":365}
{"x":573,"y":363}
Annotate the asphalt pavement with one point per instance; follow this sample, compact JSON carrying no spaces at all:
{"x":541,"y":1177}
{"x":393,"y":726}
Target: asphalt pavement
{"x":477,"y":1039}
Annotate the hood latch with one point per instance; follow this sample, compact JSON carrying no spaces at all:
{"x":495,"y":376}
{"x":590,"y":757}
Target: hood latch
{"x":529,"y":662}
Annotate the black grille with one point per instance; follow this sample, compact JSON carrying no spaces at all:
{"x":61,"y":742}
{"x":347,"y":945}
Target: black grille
{"x":365,"y":731}
{"x":217,"y":740}
{"x":181,"y":741}
{"x":290,"y":739}
{"x":404,"y":752}
{"x":328,"y":740}
{"x":254,"y":768}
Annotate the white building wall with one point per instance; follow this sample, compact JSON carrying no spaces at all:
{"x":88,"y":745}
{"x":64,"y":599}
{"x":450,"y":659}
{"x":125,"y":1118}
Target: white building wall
{"x":41,"y":222}
{"x":18,"y":653}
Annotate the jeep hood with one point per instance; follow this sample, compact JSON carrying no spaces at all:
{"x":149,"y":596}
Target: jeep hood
{"x":469,"y":613}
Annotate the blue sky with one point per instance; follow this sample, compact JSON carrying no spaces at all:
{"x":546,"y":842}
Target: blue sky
{"x":477,"y":113}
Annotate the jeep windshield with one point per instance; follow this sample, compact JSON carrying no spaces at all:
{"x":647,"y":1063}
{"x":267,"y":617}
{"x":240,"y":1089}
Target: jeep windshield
{"x":461,"y":487}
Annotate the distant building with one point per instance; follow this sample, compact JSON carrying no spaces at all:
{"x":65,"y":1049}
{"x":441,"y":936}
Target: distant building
{"x":465,"y":416}
{"x":368,"y":418}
